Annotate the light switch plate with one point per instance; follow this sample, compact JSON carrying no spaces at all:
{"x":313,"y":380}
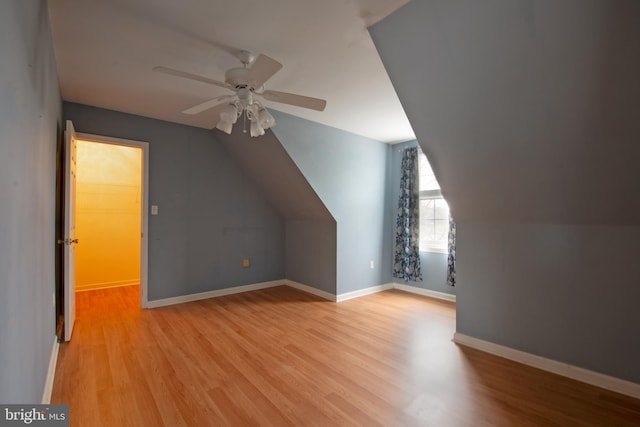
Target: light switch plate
{"x":154,"y":209}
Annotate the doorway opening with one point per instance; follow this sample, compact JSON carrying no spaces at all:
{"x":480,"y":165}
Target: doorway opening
{"x":111,"y":199}
{"x":108,"y":212}
{"x":111,"y":225}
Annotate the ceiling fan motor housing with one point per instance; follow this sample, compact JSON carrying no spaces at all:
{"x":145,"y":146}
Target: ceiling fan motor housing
{"x":237,"y":78}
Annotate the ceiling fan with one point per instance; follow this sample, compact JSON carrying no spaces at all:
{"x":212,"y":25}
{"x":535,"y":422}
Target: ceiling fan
{"x":246,"y":82}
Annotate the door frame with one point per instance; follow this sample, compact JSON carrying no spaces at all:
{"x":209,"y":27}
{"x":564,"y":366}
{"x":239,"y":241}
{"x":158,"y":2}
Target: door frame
{"x":144,"y":224}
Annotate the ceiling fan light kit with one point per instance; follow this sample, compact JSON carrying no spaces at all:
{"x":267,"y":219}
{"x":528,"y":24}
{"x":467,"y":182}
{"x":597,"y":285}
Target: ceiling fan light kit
{"x":265,"y":119}
{"x":257,"y":115}
{"x":225,"y":127}
{"x":256,"y":129}
{"x":247,"y":82}
{"x":229,"y":114}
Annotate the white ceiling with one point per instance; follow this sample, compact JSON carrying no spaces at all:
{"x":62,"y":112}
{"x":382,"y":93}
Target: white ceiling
{"x":106,"y":51}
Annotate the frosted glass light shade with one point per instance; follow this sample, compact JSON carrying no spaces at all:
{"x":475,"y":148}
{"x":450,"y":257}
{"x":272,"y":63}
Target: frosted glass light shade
{"x":229,"y":114}
{"x":265,"y":119}
{"x":256,"y":129}
{"x":224,"y":126}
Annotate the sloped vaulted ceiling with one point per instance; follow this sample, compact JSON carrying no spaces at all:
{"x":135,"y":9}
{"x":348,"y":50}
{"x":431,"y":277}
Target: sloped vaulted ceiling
{"x":106,"y":50}
{"x":268,"y":163}
{"x":529,"y":110}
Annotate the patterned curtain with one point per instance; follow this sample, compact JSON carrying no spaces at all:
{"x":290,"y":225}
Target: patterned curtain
{"x":406,"y":263}
{"x":451,"y":259}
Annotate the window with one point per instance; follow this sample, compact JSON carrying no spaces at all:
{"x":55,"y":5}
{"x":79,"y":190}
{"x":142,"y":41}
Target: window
{"x":434,"y":211}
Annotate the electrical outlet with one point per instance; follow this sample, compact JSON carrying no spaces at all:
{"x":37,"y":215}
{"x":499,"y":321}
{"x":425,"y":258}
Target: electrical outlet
{"x":246,"y":263}
{"x":371,"y":264}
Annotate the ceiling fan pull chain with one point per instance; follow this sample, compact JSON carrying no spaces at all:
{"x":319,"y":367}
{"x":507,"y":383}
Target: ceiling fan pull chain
{"x":244,"y":123}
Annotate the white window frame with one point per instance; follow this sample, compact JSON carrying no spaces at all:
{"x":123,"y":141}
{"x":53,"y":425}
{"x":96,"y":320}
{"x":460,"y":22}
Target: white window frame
{"x":431,"y":195}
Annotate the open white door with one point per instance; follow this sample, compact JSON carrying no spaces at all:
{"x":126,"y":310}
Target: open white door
{"x":69,"y":230}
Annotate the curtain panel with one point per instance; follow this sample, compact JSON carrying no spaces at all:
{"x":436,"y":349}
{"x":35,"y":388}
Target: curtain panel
{"x":451,"y":259}
{"x":406,"y":265}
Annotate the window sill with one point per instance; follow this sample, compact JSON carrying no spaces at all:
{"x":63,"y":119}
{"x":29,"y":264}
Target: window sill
{"x":435,"y":250}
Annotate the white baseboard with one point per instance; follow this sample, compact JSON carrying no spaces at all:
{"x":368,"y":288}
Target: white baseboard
{"x":107,"y":285}
{"x":51,"y":373}
{"x":302,"y":287}
{"x":212,"y":294}
{"x":425,"y":292}
{"x":362,"y":292}
{"x":310,"y":290}
{"x":580,"y":374}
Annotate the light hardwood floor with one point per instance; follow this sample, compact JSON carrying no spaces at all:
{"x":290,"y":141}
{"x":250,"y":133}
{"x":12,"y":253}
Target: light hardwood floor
{"x":283,"y":357}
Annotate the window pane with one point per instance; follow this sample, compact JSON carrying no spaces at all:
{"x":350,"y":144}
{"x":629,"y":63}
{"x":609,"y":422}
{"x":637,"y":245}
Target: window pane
{"x":427,"y":232}
{"x":434,"y":211}
{"x":441,"y":230}
{"x":441,"y":209}
{"x":427,"y":209}
{"x":427,"y":178}
{"x":428,"y":182}
{"x":426,"y":228}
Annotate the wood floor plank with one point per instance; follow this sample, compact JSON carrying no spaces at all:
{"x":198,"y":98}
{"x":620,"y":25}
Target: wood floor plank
{"x":281,"y":357}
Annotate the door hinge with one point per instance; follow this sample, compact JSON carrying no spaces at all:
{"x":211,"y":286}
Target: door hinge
{"x":67,"y":241}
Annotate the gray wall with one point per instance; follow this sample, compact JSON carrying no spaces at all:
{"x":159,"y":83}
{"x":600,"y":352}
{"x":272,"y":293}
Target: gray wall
{"x":434,"y":265}
{"x":29,"y":118}
{"x":310,"y":252}
{"x":211,"y":213}
{"x":529,"y":113}
{"x":566,"y":292}
{"x":516,"y":102}
{"x":348,"y":172}
{"x":310,"y":230}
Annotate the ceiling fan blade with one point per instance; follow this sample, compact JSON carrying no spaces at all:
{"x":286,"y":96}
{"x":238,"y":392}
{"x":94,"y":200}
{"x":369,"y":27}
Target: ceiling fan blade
{"x":197,"y":109}
{"x":184,"y":74}
{"x":262,"y":69}
{"x":297,"y":100}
